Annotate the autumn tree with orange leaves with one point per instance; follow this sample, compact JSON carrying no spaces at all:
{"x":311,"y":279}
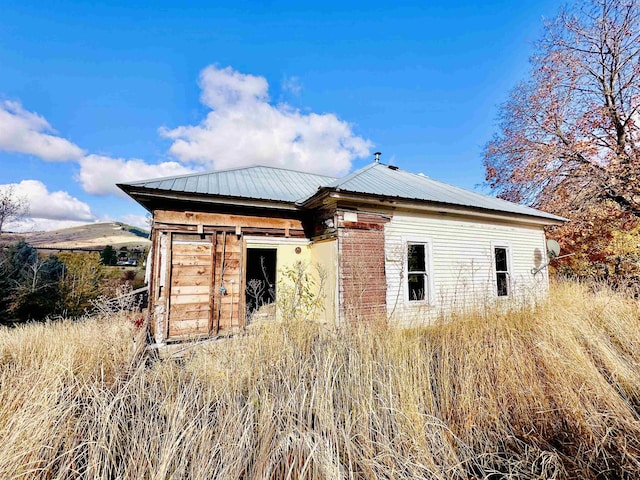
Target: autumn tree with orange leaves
{"x":569,"y":136}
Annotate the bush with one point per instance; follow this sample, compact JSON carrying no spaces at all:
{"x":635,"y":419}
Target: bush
{"x":82,"y":281}
{"x":29,"y":283}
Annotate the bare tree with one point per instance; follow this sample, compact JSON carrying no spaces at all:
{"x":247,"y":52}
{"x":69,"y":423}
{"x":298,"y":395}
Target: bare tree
{"x":12,"y":206}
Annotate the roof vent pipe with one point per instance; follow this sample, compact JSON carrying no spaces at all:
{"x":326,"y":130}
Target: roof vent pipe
{"x":377,"y":156}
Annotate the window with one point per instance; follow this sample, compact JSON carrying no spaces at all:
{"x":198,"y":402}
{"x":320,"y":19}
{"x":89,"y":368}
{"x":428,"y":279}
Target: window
{"x":501,"y":260}
{"x":417,"y":277}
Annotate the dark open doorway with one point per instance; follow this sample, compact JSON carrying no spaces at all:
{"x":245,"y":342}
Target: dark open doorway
{"x":261,"y":278}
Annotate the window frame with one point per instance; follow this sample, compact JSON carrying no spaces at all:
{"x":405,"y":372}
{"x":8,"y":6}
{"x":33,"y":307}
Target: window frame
{"x":428,"y":272}
{"x":509,"y":271}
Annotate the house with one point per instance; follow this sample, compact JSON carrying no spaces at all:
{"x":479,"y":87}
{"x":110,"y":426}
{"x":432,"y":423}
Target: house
{"x":391,"y":244}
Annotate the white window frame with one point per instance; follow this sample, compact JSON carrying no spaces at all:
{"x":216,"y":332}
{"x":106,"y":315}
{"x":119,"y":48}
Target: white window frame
{"x":509,"y":271}
{"x":429,"y":284}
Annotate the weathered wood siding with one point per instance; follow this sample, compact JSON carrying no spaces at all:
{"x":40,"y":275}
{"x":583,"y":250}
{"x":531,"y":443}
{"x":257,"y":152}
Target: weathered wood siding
{"x":190,"y":305}
{"x":208,"y":222}
{"x":198,"y":281}
{"x":228,"y":288}
{"x":462,"y":272}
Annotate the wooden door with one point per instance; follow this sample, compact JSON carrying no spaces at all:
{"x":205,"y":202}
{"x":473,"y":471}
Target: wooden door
{"x":190,"y":298}
{"x":207,"y":286}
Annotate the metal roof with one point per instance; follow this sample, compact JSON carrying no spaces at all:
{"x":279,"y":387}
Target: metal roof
{"x":389,"y":181}
{"x":294,"y":187}
{"x":257,"y":182}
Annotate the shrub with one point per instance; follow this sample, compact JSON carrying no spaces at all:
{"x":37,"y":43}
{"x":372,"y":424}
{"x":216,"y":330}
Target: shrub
{"x":81,"y":282}
{"x":29,"y":283}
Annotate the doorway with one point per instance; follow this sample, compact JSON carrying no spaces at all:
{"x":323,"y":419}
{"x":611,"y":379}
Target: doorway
{"x":260,"y":278}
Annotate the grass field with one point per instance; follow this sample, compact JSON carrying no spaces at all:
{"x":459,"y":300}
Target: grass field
{"x":547,"y":393}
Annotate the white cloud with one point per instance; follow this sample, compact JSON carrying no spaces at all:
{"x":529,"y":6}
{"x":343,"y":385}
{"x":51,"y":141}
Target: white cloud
{"x":24,"y":132}
{"x":226,"y":87}
{"x":99,"y":174}
{"x":292,"y":85}
{"x":243,"y":128}
{"x":27,"y":225}
{"x":48,"y":210}
{"x":52,"y":205}
{"x":141,"y":221}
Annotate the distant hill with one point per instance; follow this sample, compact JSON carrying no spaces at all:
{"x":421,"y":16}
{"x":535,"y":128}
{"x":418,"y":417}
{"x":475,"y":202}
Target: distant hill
{"x":93,"y":236}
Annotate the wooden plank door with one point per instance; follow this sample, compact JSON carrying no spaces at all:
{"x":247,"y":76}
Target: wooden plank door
{"x":191,"y":282}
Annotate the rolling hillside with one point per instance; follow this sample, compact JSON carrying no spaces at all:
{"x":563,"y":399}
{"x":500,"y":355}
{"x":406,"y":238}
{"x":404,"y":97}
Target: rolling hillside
{"x":91,"y":236}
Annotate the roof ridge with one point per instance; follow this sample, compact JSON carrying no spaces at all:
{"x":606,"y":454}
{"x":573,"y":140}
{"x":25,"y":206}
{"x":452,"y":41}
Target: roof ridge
{"x":209,"y":172}
{"x":450,"y":186}
{"x":467,"y":190}
{"x":281,"y":168}
{"x":351,"y":176}
{"x":475,"y":199}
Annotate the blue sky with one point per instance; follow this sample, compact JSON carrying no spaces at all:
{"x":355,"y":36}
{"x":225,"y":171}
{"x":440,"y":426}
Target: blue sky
{"x":97,"y":92}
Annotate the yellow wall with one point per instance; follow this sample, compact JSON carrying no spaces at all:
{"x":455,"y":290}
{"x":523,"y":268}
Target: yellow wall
{"x":286,"y":256}
{"x":324,"y":254}
{"x":315,"y":256}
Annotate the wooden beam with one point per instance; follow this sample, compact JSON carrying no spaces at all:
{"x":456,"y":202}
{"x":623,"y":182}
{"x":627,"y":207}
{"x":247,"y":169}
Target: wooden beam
{"x":219,"y":280}
{"x":167,"y":286}
{"x":212,"y":289}
{"x":242,"y":320}
{"x":217,"y":219}
{"x":152,"y":282}
{"x":273,"y":232}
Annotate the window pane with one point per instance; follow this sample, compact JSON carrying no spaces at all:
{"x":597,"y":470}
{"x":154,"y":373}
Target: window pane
{"x":501,"y":259}
{"x":416,"y":258}
{"x":416,"y":286}
{"x":502,"y":284}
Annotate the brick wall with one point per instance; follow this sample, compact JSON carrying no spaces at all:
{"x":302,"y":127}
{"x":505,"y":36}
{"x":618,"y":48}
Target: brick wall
{"x":362,"y":280}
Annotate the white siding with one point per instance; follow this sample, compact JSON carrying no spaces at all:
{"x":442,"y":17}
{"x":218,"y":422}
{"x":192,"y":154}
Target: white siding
{"x":462,"y":273}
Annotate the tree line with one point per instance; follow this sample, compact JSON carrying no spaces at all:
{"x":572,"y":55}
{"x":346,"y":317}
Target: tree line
{"x":34,"y":287}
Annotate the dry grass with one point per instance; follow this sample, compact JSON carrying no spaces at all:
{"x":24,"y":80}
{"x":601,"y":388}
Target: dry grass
{"x":550,"y":393}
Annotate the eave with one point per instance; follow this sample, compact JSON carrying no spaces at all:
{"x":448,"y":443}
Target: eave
{"x":148,"y":198}
{"x":326,"y":195}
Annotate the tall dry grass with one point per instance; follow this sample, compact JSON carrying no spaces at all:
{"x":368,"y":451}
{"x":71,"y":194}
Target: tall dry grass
{"x":552,"y":392}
